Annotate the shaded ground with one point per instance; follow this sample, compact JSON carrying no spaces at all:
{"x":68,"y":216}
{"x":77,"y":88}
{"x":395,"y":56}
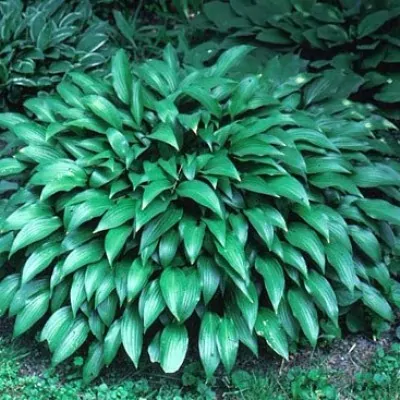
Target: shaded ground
{"x":337,"y":363}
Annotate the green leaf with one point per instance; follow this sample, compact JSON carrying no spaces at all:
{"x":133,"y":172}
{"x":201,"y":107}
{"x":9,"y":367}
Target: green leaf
{"x":372,"y":22}
{"x":315,"y":217}
{"x":261,"y":224}
{"x":221,"y":165}
{"x":94,"y":275}
{"x":380,"y":209}
{"x":94,"y":362}
{"x":86,"y":211}
{"x":342,"y":261}
{"x":57,"y":327}
{"x":11,"y":166}
{"x":115,"y":241}
{"x":112,"y":342}
{"x":324,"y":296}
{"x":227,"y":343}
{"x":39,"y":260}
{"x":284,"y":186}
{"x":217,"y":227}
{"x":154,"y":189}
{"x":138,"y":276}
{"x":208,"y":349}
{"x":158,"y":226}
{"x":132,"y":334}
{"x":274,"y":279}
{"x":205,"y":98}
{"x":376,"y":302}
{"x":299,"y":235}
{"x":168,"y":247}
{"x":233,"y":253}
{"x":83,"y":255}
{"x":305,"y":313}
{"x":117,"y":215}
{"x":121,"y":76}
{"x":269,"y":327}
{"x":230,"y":58}
{"x":105,"y":110}
{"x":201,"y":193}
{"x":367,"y":242}
{"x":181,"y":291}
{"x":72,"y":341}
{"x":151,"y":303}
{"x":165,"y":133}
{"x":173,"y":347}
{"x":293,"y":257}
{"x":209,"y":277}
{"x":34,"y":231}
{"x":193,"y":236}
{"x":33,"y":310}
{"x":137,"y":106}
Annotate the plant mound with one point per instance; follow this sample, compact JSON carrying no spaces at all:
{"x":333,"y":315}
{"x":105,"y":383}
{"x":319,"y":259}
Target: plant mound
{"x":177,"y":199}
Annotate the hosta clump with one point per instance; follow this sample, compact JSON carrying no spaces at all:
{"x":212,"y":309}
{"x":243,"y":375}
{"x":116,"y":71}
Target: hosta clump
{"x":42,"y":40}
{"x":360,"y":36}
{"x":175,"y":199}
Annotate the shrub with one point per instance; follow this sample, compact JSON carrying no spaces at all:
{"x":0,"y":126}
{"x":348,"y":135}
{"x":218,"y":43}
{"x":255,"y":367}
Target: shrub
{"x":178,"y":199}
{"x":43,"y":40}
{"x":361,"y":36}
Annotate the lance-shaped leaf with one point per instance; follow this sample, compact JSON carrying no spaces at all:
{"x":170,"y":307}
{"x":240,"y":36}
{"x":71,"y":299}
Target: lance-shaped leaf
{"x":208,"y":348}
{"x":34,"y":231}
{"x":227,"y":342}
{"x":132,"y":334}
{"x":112,"y":342}
{"x":200,"y":193}
{"x":301,"y":236}
{"x":121,"y":76}
{"x":269,"y":327}
{"x":165,"y":133}
{"x":105,"y":110}
{"x":209,"y":277}
{"x":274,"y":279}
{"x":33,"y":310}
{"x":342,"y":261}
{"x":306,"y":314}
{"x":158,"y":226}
{"x":72,"y":341}
{"x":83,"y":255}
{"x":324,"y":296}
{"x":151,"y":303}
{"x":181,"y":291}
{"x":173,"y":347}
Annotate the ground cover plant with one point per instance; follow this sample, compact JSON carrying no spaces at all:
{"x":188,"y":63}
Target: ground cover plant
{"x":357,"y":36}
{"x":171,"y":202}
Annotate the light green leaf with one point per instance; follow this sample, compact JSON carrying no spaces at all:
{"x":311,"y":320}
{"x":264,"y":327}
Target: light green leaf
{"x":274,"y":279}
{"x":227,"y":343}
{"x":132,"y":334}
{"x":173,"y":347}
{"x":306,"y":314}
{"x":208,"y":349}
{"x":34,"y":231}
{"x":269,"y":327}
{"x":121,"y":76}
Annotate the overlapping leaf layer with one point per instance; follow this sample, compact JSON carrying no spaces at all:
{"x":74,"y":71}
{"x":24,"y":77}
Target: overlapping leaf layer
{"x":357,"y":36}
{"x":172,"y":200}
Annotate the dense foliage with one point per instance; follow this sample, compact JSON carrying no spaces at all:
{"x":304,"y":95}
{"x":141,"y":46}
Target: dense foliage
{"x":41,"y":41}
{"x":359,"y":36}
{"x":174,"y":199}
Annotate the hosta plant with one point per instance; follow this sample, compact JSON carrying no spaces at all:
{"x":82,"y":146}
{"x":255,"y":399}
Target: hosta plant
{"x":40,"y":41}
{"x":175,"y":205}
{"x":362,"y":36}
